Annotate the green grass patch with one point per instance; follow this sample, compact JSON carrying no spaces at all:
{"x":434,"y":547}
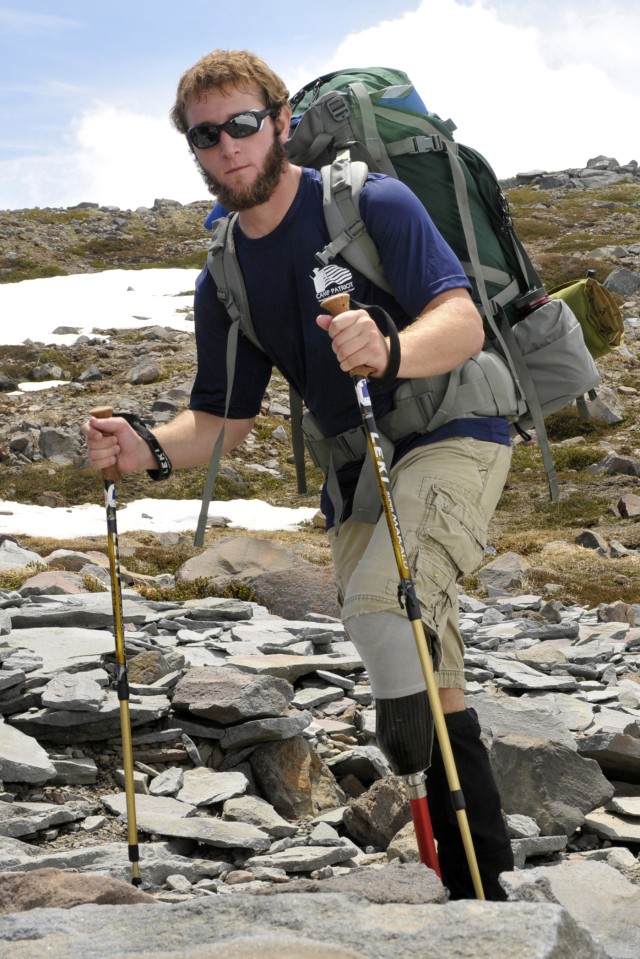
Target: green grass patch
{"x":533,"y":228}
{"x":52,"y":217}
{"x":575,"y":510}
{"x":566,"y":458}
{"x":12,"y":579}
{"x":30,"y":270}
{"x":199,"y":589}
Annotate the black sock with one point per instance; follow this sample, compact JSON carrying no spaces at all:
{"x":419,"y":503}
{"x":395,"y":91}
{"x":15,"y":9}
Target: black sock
{"x":482,"y":800}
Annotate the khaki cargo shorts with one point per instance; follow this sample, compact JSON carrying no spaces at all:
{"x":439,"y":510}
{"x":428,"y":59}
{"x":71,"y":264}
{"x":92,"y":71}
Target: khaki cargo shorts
{"x":445,"y":494}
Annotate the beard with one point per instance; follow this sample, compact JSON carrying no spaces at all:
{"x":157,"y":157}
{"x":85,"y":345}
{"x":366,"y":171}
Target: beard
{"x":260,"y":190}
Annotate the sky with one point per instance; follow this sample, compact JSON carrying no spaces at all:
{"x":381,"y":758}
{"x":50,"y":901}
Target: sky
{"x":85,"y":88}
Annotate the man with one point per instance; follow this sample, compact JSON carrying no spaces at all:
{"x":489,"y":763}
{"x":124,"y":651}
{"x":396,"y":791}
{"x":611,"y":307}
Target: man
{"x":234,"y":111}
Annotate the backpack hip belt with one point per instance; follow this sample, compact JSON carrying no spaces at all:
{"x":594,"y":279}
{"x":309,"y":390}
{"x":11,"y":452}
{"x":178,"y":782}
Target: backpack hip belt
{"x":480,"y":387}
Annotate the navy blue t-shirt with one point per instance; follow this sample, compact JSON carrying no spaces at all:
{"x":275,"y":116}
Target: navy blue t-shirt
{"x":285,"y":285}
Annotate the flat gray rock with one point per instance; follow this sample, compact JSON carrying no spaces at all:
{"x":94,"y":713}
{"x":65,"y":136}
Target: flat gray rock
{"x":157,"y":861}
{"x":265,"y":730}
{"x":466,"y":930}
{"x":61,"y":647}
{"x":204,"y":787}
{"x":70,"y":726}
{"x":600,"y":899}
{"x":609,"y":825}
{"x":75,"y":692}
{"x":22,"y":759}
{"x":27,"y":818}
{"x":206,"y":829}
{"x":293,"y":667}
{"x":306,"y":858}
{"x":147,"y":806}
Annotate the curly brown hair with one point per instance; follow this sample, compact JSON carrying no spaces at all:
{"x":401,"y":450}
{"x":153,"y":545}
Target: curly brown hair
{"x":226,"y":69}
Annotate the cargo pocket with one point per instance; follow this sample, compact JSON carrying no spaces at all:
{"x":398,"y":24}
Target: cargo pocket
{"x":435,"y":577}
{"x":454,"y":523}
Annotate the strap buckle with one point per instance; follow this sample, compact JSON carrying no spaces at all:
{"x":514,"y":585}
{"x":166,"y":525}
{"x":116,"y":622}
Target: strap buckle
{"x":430,"y":144}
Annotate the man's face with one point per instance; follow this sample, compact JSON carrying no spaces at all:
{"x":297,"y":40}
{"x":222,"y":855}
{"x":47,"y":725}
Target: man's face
{"x":241,"y":173}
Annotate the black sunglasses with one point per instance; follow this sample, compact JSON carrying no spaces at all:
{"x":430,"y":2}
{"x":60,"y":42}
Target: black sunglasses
{"x":242,"y":125}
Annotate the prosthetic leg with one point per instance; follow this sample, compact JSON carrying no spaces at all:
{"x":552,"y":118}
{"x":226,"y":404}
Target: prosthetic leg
{"x":490,"y":838}
{"x":404,"y":730}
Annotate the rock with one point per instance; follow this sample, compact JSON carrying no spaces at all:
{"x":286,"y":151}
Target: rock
{"x":236,"y":558}
{"x":209,"y":831}
{"x":55,"y":888}
{"x":605,"y":407}
{"x":294,"y":777}
{"x":590,"y":539}
{"x":13,"y":556}
{"x":259,"y":813}
{"x":611,"y":916}
{"x":505,"y":572}
{"x":306,"y":858}
{"x":27,"y":818}
{"x":629,"y":506}
{"x":616,"y":613}
{"x":204,"y":787}
{"x":147,"y":371}
{"x":623,"y":281}
{"x":312,"y":590}
{"x":556,"y":790}
{"x":613,"y":463}
{"x":73,"y":692}
{"x":229,"y":695}
{"x":391,"y":930}
{"x":375,"y":817}
{"x":7,"y":385}
{"x":167,"y":783}
{"x":617,"y":752}
{"x":22,"y":760}
{"x":59,"y":446}
{"x":148,"y":667}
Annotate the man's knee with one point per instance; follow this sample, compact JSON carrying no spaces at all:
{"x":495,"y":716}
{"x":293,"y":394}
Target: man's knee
{"x":452,"y":700}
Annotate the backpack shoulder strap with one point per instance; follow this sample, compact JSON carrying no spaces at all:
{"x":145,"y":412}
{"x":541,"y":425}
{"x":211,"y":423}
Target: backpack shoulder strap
{"x":222,"y":263}
{"x":342,"y":183}
{"x":220,"y":257}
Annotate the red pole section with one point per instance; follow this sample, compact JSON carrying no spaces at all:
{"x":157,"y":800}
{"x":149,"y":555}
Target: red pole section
{"x":417,"y":795}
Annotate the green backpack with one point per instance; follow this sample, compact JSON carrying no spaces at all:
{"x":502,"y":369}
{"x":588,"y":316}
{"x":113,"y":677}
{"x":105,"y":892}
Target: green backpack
{"x":355,"y":121}
{"x":377,"y":115}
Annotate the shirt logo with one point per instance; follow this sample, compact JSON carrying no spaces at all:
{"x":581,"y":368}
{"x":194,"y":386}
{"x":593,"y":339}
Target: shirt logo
{"x":331,"y":280}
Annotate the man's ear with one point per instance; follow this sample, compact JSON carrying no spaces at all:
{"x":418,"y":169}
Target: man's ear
{"x":283,"y":122}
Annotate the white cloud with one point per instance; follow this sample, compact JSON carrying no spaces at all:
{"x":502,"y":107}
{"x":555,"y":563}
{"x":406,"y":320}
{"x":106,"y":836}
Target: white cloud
{"x":115,"y":156}
{"x":546,"y":86}
{"x":511,"y":93}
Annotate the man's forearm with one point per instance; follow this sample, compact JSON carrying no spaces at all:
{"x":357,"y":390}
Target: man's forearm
{"x":188,"y":440}
{"x":447,"y":333}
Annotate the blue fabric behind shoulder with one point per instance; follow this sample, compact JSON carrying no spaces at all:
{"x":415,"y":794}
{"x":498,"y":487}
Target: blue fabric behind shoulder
{"x":215,"y":214}
{"x":405,"y":101}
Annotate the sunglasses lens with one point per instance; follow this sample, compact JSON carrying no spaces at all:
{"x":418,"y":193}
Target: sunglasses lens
{"x":243,"y":125}
{"x":204,"y":136}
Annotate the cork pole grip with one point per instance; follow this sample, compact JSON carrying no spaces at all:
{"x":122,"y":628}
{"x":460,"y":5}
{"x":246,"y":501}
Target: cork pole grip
{"x":111,"y":473}
{"x":340,"y":304}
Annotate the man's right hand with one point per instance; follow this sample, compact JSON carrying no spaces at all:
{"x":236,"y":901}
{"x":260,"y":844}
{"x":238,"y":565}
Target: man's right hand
{"x":113,"y":442}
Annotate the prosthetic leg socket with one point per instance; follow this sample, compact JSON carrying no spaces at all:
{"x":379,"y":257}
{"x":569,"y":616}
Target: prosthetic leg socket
{"x":404,"y":730}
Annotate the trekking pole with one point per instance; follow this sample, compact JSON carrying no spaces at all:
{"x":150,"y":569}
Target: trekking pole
{"x":336,"y":305}
{"x":110,"y":476}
